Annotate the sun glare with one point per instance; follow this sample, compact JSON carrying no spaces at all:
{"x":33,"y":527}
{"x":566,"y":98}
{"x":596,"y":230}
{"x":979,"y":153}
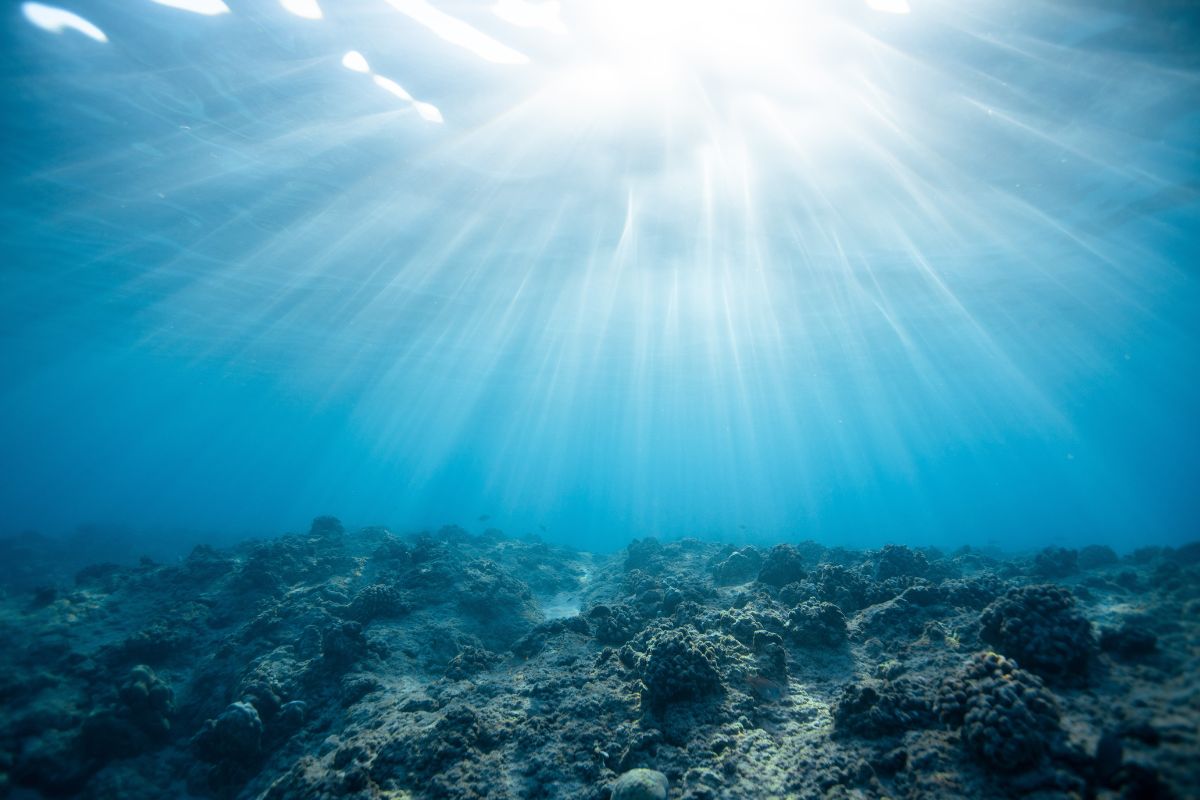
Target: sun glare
{"x":691,"y":60}
{"x":658,"y":46}
{"x":56,"y":20}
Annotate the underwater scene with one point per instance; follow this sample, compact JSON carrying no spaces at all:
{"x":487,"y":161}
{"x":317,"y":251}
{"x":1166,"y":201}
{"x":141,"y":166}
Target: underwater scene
{"x":600,"y":399}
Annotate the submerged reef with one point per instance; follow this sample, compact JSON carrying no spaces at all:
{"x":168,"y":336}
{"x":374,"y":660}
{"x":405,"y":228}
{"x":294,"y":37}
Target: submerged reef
{"x":362,"y":664}
{"x":1038,"y":625}
{"x":1008,"y":718}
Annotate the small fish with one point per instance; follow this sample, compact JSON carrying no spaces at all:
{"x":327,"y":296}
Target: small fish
{"x":484,"y":517}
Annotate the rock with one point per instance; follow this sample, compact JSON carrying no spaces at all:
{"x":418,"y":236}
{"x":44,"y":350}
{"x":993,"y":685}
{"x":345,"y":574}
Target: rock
{"x":467,"y":691}
{"x":392,"y":550}
{"x":204,"y":564}
{"x":1187,"y":554}
{"x":873,"y":711}
{"x":291,"y":714}
{"x":816,"y":623}
{"x":356,"y":686}
{"x":502,"y":604}
{"x":532,"y":643}
{"x":459,"y":734}
{"x":975,"y":592}
{"x":679,"y":666}
{"x":897,"y":618}
{"x":263,"y":697}
{"x":1096,"y":555}
{"x":326,"y":528}
{"x":137,"y":722}
{"x":342,"y":645}
{"x":783,"y":565}
{"x":101,"y":574}
{"x":1130,"y":640}
{"x":156,"y":643}
{"x":470,"y":661}
{"x":234,"y":736}
{"x":898,"y":561}
{"x":640,"y":784}
{"x":148,"y":702}
{"x":644,"y":554}
{"x":377,"y":601}
{"x":740,"y":567}
{"x":1128,"y":579}
{"x":1038,"y":626}
{"x":1056,"y":562}
{"x":45,"y":760}
{"x":614,"y":624}
{"x":1145,"y":555}
{"x":842,"y":586}
{"x":1009,"y":719}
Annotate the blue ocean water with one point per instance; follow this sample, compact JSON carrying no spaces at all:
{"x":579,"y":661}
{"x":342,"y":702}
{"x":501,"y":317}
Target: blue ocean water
{"x":919,"y":272}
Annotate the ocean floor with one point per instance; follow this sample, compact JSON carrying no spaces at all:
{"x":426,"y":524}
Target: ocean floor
{"x":368,"y":665}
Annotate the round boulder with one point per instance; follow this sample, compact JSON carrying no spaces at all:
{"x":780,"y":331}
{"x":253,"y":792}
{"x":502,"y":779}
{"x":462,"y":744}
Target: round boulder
{"x":640,"y":784}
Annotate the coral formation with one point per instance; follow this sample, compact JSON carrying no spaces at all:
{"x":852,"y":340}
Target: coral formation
{"x":740,"y":566}
{"x":1037,"y":625}
{"x":888,"y":708}
{"x":898,"y":561}
{"x":337,"y":663}
{"x":470,"y":661}
{"x":817,"y":623}
{"x":783,"y":565}
{"x":234,"y":736}
{"x":974,"y":592}
{"x":837,"y":584}
{"x":139,"y":719}
{"x":679,"y":666}
{"x":1009,"y":719}
{"x":614,"y":624}
{"x":1055,"y":562}
{"x":377,"y":601}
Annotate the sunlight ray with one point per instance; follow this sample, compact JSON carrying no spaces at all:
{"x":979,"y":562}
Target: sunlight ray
{"x":457,"y":32}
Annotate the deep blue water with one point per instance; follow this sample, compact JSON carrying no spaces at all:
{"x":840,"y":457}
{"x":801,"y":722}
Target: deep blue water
{"x":751,"y":270}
